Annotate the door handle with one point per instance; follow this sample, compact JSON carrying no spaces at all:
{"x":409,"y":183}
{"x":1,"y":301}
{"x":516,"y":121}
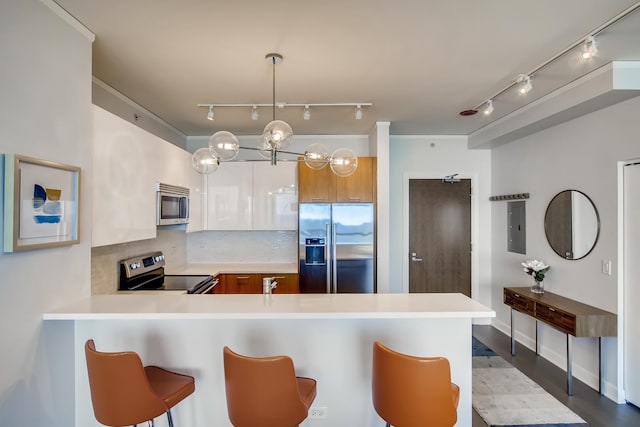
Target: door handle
{"x":414,"y":259}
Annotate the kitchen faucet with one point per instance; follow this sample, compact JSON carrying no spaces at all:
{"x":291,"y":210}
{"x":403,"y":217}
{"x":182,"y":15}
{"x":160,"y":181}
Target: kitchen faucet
{"x":268,"y":283}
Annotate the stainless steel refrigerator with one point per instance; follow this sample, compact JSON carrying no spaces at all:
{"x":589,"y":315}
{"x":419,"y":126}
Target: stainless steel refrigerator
{"x":336,"y":247}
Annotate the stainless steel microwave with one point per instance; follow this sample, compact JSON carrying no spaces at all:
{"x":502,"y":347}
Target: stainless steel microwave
{"x":172,"y":205}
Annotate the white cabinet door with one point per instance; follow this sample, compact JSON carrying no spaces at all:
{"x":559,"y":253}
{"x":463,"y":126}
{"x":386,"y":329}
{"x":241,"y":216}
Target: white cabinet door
{"x":196,"y":215}
{"x":631,"y":283}
{"x":124,"y":197}
{"x":275,"y":196}
{"x":229,"y":193}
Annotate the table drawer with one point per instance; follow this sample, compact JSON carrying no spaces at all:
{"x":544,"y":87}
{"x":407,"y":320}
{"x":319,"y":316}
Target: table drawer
{"x":519,"y":302}
{"x":557,"y":318}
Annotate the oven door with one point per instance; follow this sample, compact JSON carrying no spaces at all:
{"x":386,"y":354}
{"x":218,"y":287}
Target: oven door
{"x":193,"y":284}
{"x":172,"y":208}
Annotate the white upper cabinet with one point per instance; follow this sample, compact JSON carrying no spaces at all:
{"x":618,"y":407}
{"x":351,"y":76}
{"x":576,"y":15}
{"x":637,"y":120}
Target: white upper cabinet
{"x":252,"y":196}
{"x":275,"y":196}
{"x":124,"y":198}
{"x":196,"y":215}
{"x":229,"y":193}
{"x":128,"y":162}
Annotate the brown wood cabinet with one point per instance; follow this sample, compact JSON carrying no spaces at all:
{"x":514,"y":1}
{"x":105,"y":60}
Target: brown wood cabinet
{"x":564,"y":314}
{"x":323,"y":186}
{"x":245,"y":283}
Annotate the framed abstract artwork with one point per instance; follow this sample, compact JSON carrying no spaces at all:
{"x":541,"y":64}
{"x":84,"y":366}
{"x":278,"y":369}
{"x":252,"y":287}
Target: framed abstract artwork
{"x":41,"y":203}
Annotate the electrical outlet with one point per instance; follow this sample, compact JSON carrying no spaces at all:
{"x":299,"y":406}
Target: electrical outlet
{"x":318,"y":412}
{"x":606,"y":267}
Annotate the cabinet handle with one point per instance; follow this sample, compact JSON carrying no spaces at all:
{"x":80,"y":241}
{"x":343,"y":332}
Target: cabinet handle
{"x":279,"y":277}
{"x":551,"y":309}
{"x":318,"y":199}
{"x":242,"y":277}
{"x":516,"y":295}
{"x":354,"y":198}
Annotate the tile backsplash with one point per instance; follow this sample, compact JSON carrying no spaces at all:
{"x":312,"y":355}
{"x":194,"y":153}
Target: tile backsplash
{"x":180,"y":248}
{"x":104,"y":259}
{"x":242,"y":246}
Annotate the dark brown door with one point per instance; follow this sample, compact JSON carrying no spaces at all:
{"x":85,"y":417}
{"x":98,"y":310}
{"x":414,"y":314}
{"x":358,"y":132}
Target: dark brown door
{"x":439,"y":236}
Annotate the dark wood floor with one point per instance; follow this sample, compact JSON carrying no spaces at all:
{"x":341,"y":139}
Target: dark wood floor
{"x":596,"y":410}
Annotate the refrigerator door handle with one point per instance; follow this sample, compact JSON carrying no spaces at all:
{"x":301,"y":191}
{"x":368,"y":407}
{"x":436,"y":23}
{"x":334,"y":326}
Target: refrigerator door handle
{"x":334,"y":255}
{"x":328,"y":256}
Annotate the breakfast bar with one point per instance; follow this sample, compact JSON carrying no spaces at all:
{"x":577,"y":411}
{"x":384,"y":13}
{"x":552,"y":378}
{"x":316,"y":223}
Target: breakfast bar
{"x":329,"y":337}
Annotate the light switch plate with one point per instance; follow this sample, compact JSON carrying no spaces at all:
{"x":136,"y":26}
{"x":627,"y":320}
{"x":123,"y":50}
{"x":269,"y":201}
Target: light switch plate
{"x":606,"y":267}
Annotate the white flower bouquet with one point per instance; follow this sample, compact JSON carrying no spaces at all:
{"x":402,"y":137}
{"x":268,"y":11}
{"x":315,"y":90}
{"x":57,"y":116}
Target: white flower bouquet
{"x":535,"y":269}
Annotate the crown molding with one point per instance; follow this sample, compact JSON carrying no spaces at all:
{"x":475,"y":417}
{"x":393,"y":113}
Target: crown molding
{"x":69,"y":19}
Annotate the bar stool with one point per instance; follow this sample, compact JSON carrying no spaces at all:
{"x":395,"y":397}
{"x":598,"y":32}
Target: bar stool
{"x":410,"y":391}
{"x":265,"y":392}
{"x":125,"y":393}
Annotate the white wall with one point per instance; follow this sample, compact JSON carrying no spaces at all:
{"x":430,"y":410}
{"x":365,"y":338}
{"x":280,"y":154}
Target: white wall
{"x":45,"y":112}
{"x":581,"y":154}
{"x":437,"y":156}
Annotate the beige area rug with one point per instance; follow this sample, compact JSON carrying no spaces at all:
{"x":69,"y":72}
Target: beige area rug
{"x":504,"y":396}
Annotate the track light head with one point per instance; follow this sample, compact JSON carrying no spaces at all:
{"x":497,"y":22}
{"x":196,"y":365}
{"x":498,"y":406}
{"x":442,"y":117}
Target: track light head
{"x":488,"y":108}
{"x":254,"y":113}
{"x":210,"y":114}
{"x":307,"y":113}
{"x":525,"y":84}
{"x":358,"y":112}
{"x":590,"y":48}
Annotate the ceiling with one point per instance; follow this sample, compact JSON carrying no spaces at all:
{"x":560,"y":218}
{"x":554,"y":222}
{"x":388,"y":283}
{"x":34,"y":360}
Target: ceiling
{"x":420,"y":62}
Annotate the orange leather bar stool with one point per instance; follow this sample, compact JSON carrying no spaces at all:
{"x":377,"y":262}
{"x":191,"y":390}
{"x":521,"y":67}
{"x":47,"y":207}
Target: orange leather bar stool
{"x":411,"y":391}
{"x":125,"y":393}
{"x":265,"y":392}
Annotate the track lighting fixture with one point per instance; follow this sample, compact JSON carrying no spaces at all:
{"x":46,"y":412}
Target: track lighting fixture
{"x":276,"y":137}
{"x":587,"y":47}
{"x":525,"y":84}
{"x":358,"y":112}
{"x":488,"y":107}
{"x":256,"y":107}
{"x":590,"y":48}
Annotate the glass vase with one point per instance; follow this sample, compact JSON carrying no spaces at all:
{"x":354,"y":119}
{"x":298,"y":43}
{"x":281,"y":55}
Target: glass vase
{"x":537,"y":287}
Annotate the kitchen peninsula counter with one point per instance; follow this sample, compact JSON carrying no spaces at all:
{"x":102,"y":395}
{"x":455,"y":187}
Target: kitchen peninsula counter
{"x":328,"y":336}
{"x":277,"y":306}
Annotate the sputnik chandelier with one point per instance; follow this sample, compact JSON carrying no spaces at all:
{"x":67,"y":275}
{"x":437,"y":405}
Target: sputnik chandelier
{"x":276,"y":138}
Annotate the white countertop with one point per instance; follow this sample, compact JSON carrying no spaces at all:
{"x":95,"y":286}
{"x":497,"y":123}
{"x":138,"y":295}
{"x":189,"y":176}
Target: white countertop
{"x":235,"y":267}
{"x":277,"y":306}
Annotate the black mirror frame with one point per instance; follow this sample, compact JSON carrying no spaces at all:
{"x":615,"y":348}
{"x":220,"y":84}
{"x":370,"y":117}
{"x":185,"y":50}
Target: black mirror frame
{"x":595,"y":209}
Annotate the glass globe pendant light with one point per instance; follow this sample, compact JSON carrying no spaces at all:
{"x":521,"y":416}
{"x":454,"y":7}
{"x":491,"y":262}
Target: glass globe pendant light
{"x":224,"y":145}
{"x":343,"y":162}
{"x":204,"y":161}
{"x":316,"y":156}
{"x":277,"y":134}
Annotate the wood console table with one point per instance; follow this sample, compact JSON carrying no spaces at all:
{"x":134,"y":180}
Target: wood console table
{"x":566,"y":315}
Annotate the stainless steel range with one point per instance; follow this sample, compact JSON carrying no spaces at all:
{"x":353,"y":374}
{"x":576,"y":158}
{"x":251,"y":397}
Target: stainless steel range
{"x":146,"y":272}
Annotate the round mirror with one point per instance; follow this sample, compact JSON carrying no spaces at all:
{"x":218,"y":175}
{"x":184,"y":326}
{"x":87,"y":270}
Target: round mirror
{"x":572,"y":224}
